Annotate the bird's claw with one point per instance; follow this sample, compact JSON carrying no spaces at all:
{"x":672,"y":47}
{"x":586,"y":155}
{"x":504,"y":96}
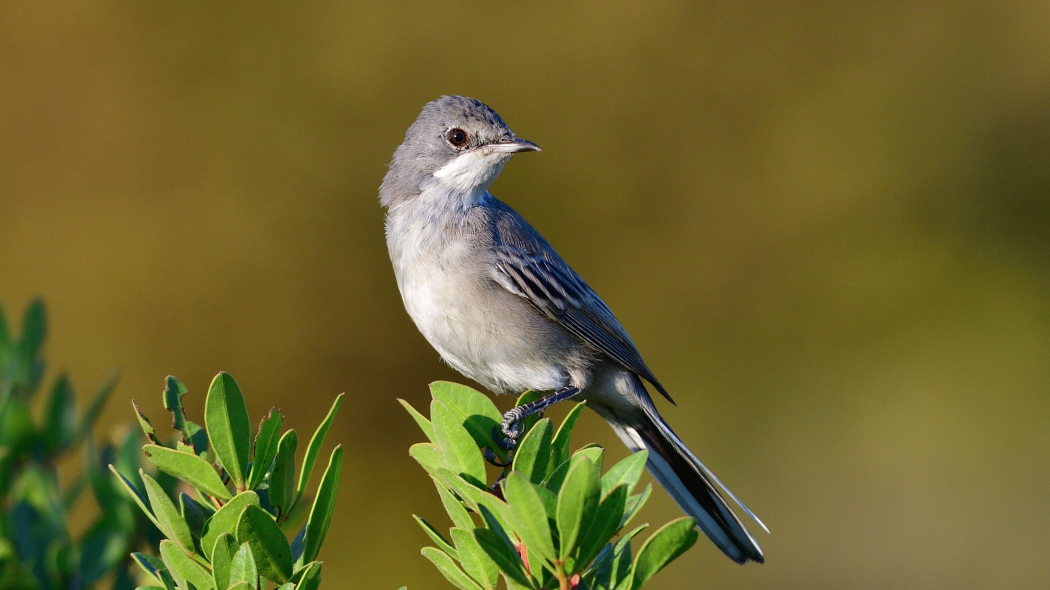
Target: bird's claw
{"x":506,"y":435}
{"x":494,"y":460}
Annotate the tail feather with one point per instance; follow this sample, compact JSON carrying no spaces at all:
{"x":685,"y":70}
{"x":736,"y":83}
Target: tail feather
{"x":689,"y":482}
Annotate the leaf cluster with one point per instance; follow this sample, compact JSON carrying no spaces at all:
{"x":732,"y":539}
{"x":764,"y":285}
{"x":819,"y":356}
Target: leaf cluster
{"x":226,"y":529}
{"x":551,"y":519}
{"x":37,"y":547}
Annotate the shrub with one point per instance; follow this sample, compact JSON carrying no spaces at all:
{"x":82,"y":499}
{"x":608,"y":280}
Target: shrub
{"x":549,"y":519}
{"x":236,"y":494}
{"x":37,"y":547}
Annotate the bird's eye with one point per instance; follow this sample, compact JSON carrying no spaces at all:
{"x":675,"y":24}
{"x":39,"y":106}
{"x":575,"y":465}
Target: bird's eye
{"x":457,"y":137}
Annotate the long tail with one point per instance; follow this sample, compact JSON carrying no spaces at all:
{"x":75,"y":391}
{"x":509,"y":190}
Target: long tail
{"x":692,"y":485}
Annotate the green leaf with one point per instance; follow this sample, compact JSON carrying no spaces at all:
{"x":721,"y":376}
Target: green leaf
{"x":34,"y":329}
{"x":458,"y":447}
{"x":148,"y":563}
{"x":269,"y":545}
{"x":594,"y":453}
{"x":421,"y":420}
{"x":473,"y":558}
{"x":560,"y":445}
{"x":324,"y":505}
{"x":663,"y":547}
{"x":577,"y":502}
{"x":147,"y":427}
{"x":266,"y":442}
{"x":436,"y":537}
{"x":241,"y":586}
{"x":428,"y":456}
{"x":229,"y":430}
{"x":94,"y":408}
{"x":282,"y":477}
{"x":529,"y":516}
{"x":459,"y":515}
{"x":60,"y":417}
{"x":169,"y":520}
{"x":476,"y":411}
{"x":5,"y":337}
{"x":626,"y":472}
{"x":101,"y":550}
{"x":189,"y":468}
{"x":314,"y":448}
{"x":222,"y":553}
{"x":596,"y":532}
{"x":194,"y":514}
{"x":184,"y":569}
{"x":448,"y":568}
{"x":310,"y":579}
{"x":173,"y":392}
{"x":226,"y":518}
{"x":197,"y":439}
{"x":136,"y":495}
{"x":534,"y":452}
{"x":242,"y":567}
{"x":503,"y":554}
{"x":634,"y":504}
{"x":612,"y":568}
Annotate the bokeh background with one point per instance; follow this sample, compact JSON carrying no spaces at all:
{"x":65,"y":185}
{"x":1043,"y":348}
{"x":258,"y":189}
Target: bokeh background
{"x":826,"y":226}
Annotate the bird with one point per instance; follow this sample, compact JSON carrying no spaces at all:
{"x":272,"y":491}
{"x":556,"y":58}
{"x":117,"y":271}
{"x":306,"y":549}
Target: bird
{"x":500,"y":306}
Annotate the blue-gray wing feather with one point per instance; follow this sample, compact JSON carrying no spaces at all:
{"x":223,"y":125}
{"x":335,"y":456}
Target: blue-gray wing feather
{"x":550,"y":285}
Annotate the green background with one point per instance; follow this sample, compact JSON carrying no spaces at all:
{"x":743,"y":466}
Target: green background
{"x":827,"y":228}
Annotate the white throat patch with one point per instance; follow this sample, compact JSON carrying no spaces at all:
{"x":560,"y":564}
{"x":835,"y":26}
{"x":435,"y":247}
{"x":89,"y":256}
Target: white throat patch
{"x":471,"y":171}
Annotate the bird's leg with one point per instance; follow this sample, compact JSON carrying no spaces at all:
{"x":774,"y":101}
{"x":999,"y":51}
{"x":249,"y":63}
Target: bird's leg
{"x":511,"y":427}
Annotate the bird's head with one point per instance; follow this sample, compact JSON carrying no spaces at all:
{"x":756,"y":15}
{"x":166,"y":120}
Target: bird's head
{"x":457,"y":144}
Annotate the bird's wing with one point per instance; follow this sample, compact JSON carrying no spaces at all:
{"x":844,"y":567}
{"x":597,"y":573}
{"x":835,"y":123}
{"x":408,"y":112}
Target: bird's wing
{"x":550,"y":285}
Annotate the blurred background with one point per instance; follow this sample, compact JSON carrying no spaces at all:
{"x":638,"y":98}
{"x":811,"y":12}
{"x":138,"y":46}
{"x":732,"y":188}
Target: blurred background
{"x":827,"y":228}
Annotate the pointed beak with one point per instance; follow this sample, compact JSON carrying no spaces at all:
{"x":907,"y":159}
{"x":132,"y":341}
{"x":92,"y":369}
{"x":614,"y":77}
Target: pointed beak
{"x":513,"y":145}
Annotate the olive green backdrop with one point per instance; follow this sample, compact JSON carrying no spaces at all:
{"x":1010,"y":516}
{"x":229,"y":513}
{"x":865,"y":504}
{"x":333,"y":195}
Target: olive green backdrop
{"x":827,"y":228}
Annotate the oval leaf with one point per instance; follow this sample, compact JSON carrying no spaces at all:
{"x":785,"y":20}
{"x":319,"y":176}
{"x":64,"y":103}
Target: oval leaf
{"x":225,"y":519}
{"x":229,"y":430}
{"x":476,"y":411}
{"x":282,"y":477}
{"x":596,"y":532}
{"x":310,"y":578}
{"x":457,"y":446}
{"x":529,"y":516}
{"x":560,"y":444}
{"x":475,"y":561}
{"x":503,"y":553}
{"x":222,"y":559}
{"x":625,"y":472}
{"x":269,"y":546}
{"x":663,"y":547}
{"x":449,"y":569}
{"x":189,"y":468}
{"x":242,"y":567}
{"x":184,"y":569}
{"x":534,"y":452}
{"x":169,"y":519}
{"x":577,"y":502}
{"x":266,"y":441}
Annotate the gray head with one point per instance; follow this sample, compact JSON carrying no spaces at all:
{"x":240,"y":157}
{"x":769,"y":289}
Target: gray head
{"x":458,"y":144}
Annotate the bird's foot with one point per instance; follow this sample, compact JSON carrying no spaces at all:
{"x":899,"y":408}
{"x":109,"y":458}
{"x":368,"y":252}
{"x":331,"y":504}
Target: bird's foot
{"x":494,"y":459}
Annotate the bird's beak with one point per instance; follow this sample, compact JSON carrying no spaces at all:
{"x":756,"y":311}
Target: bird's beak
{"x":513,"y":145}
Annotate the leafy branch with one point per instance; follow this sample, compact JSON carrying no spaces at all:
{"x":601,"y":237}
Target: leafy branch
{"x":227,"y":532}
{"x":549,"y":519}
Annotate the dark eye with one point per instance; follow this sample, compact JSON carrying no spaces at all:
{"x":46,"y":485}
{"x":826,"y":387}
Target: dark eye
{"x":457,"y":137}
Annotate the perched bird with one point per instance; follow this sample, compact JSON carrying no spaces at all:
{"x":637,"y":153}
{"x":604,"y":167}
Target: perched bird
{"x":501,"y":307}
